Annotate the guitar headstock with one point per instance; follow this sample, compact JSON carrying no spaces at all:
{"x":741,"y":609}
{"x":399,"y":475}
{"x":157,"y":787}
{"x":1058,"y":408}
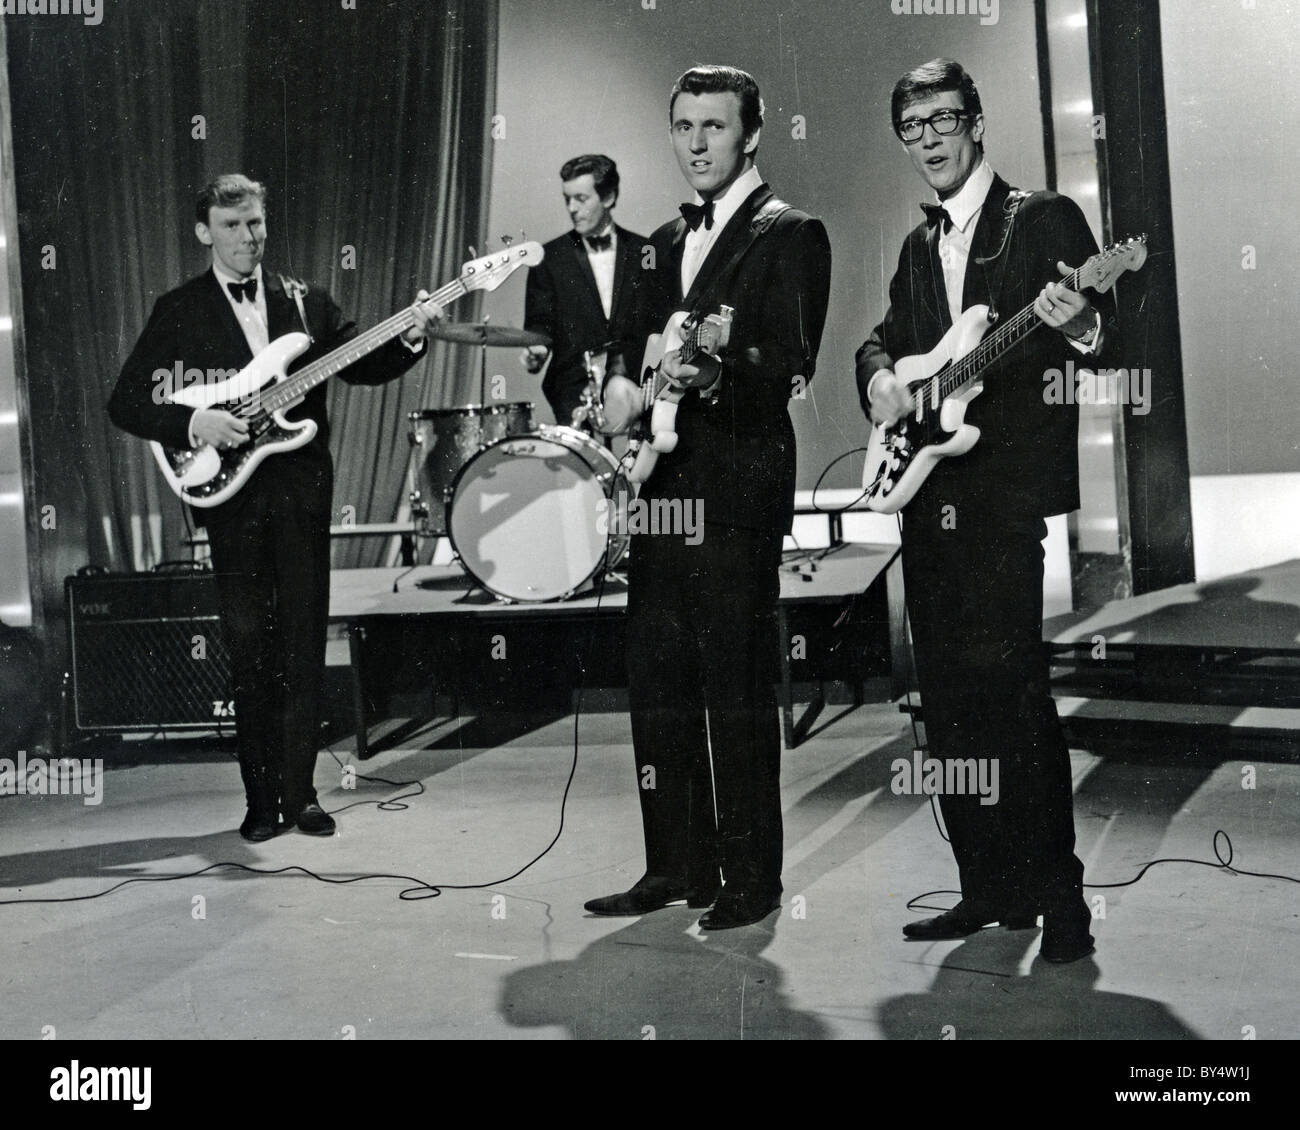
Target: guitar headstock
{"x":1100,"y":272}
{"x":490,"y":271}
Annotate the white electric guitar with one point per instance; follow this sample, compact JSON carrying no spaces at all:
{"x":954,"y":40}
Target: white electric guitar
{"x":659,"y":397}
{"x":945,"y":380}
{"x":262,"y":392}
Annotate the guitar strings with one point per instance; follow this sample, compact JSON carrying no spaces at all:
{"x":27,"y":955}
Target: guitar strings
{"x":287,"y":391}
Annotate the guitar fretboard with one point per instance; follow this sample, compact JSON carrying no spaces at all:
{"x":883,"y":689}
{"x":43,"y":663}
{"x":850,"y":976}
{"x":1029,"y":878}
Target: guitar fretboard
{"x":968,"y":368}
{"x":290,"y":390}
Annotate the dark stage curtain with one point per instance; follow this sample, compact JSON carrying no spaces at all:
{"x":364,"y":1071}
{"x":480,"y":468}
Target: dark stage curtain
{"x":375,"y":132}
{"x":371,"y":128}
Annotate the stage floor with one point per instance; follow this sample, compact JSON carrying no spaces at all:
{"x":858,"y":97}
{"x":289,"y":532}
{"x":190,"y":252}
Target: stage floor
{"x":1257,"y":611}
{"x":1189,"y":952}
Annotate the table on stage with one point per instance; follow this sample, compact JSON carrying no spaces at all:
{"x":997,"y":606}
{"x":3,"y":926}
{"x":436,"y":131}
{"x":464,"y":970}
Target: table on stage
{"x":362,"y":597}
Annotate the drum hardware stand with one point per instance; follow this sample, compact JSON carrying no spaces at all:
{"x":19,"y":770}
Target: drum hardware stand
{"x":413,"y":493}
{"x":482,"y":367}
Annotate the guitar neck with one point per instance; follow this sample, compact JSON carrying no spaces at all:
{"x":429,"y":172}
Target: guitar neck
{"x":657,"y":382}
{"x":289,"y":391}
{"x":969,"y":368}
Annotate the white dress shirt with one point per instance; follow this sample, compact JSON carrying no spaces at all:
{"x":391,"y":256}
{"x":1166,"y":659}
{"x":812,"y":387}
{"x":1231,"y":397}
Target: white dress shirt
{"x":252,"y":315}
{"x":602,"y":266}
{"x":954,"y":245}
{"x":700,"y":242}
{"x":252,"y":318}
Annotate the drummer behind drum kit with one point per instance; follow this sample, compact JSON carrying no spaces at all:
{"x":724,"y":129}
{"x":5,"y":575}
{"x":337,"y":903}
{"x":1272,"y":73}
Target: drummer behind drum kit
{"x":520,"y":502}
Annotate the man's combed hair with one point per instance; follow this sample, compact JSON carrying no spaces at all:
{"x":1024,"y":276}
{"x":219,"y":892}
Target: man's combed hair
{"x":604,"y":173}
{"x":716,"y":79}
{"x":227,"y":191}
{"x":934,"y":77}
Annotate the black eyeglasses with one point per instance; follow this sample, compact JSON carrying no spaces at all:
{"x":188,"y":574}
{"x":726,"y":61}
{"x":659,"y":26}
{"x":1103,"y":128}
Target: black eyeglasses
{"x":944,"y":122}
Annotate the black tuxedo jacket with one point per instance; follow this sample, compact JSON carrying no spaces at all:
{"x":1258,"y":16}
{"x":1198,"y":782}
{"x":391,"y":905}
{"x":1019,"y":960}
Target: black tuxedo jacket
{"x":194,"y":326}
{"x":737,"y":453}
{"x":1026,"y":460}
{"x":561,"y":300}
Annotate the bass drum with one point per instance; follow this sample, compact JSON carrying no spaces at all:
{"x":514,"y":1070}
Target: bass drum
{"x":534,"y":518}
{"x":443,"y":439}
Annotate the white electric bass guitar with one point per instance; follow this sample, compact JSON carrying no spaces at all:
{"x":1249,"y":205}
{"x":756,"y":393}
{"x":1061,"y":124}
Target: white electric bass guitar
{"x":659,"y":398}
{"x":945,"y":380}
{"x":262,"y":392}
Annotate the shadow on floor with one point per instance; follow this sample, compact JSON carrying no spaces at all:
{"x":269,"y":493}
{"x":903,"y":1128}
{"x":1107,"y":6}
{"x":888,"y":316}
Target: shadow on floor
{"x":654,"y":980}
{"x":978,"y":993}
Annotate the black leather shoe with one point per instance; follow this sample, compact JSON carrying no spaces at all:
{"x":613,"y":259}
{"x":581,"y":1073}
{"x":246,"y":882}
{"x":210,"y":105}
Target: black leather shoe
{"x":967,"y":918}
{"x":257,"y":828}
{"x":739,"y":909}
{"x":315,"y":821}
{"x":1065,"y":934}
{"x":650,"y":892}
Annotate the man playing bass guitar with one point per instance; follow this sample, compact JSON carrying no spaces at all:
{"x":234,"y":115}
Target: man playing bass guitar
{"x":269,"y":541}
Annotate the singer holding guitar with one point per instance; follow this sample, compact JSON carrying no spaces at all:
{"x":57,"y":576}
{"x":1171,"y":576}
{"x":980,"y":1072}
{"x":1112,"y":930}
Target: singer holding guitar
{"x":270,"y":541}
{"x":701,"y":634}
{"x":972,"y":535}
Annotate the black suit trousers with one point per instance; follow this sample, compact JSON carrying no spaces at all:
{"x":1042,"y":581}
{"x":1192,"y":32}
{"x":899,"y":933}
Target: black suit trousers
{"x":702,"y":648}
{"x":974,"y":599}
{"x":272,"y":559}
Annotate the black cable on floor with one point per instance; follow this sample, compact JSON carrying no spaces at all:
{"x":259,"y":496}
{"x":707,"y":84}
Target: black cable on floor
{"x":420,"y":888}
{"x":1219,"y":862}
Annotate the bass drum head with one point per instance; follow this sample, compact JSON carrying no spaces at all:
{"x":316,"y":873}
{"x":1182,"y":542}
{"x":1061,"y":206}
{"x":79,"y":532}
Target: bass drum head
{"x":528,"y":515}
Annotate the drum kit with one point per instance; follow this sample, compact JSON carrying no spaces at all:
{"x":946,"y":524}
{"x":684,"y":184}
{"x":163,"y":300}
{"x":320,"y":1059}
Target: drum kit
{"x":520,"y":502}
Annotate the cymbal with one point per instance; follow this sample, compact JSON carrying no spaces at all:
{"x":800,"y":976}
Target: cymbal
{"x":485,"y":333}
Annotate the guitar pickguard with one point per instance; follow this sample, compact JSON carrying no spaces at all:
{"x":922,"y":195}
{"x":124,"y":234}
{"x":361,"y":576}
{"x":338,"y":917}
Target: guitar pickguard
{"x":223,"y":472}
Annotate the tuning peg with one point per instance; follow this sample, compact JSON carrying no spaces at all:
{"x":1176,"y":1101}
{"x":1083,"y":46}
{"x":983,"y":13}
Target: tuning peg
{"x":473,"y":253}
{"x":507,"y":239}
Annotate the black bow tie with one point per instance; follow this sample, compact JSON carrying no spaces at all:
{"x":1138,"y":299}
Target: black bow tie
{"x":695,"y":214}
{"x":600,"y":242}
{"x":936,"y":212}
{"x":243,"y":290}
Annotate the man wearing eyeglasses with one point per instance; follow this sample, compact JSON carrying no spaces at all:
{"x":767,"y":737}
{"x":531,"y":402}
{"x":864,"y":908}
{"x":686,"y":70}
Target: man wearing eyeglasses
{"x":972,"y":535}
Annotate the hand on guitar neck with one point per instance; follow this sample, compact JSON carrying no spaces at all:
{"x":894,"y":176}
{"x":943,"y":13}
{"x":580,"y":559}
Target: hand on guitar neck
{"x":919,"y":413}
{"x":1057,"y":306}
{"x":702,"y":371}
{"x":681,"y":357}
{"x":238,"y":422}
{"x":224,"y":430}
{"x":425,"y":314}
{"x":624,"y":401}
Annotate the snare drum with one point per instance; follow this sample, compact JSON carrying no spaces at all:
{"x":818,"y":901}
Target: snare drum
{"x":532,"y":517}
{"x":443,"y":439}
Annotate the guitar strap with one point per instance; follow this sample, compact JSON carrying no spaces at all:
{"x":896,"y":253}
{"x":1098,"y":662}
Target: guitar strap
{"x":1010,"y":206}
{"x":763,"y":219}
{"x":297,"y":289}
